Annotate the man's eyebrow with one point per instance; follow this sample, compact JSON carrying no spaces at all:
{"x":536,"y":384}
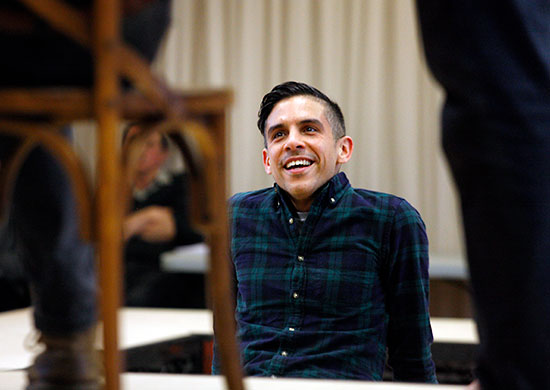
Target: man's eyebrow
{"x":312,"y":120}
{"x":302,"y":122}
{"x":274,"y":127}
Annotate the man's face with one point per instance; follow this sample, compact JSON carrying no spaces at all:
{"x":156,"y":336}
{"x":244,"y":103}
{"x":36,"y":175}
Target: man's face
{"x":301,"y":151}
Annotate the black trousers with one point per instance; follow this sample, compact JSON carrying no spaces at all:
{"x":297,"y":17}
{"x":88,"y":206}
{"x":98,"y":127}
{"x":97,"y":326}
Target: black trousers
{"x":493,"y":60}
{"x":59,"y":265}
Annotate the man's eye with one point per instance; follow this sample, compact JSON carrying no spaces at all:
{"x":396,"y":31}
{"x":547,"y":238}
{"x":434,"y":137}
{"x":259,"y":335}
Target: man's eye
{"x":277,"y":134}
{"x":310,"y":129}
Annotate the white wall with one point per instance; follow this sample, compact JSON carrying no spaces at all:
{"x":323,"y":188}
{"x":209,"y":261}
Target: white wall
{"x":364,"y":54}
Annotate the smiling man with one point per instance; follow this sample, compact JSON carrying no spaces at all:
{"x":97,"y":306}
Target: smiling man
{"x":330,"y":279}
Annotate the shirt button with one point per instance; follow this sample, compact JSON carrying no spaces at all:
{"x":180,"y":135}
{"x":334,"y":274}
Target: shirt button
{"x":332,"y":200}
{"x":300,"y":258}
{"x":291,"y":329}
{"x":284,"y":353}
{"x":295,"y":295}
{"x":291,"y":221}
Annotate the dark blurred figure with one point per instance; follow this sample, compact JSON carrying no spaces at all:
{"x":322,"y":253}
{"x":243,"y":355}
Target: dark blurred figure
{"x":493,"y":59}
{"x":158,"y":222}
{"x":14,"y":289}
{"x":59,"y":266}
{"x":42,"y":56}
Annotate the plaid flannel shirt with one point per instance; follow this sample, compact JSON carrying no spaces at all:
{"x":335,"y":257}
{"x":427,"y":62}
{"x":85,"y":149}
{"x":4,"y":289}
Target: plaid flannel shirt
{"x":336,"y":295}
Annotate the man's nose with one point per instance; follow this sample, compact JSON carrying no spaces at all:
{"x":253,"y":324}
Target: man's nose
{"x":294,"y":140}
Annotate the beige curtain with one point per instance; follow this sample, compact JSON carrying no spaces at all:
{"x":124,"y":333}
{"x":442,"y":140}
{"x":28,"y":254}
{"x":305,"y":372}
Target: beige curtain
{"x":364,"y":54}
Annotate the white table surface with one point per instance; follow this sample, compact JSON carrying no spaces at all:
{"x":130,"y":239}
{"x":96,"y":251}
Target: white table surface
{"x":145,"y":326}
{"x":188,"y":258}
{"x":454,"y":330}
{"x":448,"y":267}
{"x":15,"y":380}
{"x":136,"y":327}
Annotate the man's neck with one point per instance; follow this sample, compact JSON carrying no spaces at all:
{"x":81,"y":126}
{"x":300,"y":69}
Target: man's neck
{"x":302,"y":205}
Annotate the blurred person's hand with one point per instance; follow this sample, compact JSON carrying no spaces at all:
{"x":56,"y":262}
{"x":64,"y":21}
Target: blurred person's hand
{"x":152,"y":224}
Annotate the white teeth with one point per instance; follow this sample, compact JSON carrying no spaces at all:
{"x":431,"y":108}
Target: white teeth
{"x":298,"y":163}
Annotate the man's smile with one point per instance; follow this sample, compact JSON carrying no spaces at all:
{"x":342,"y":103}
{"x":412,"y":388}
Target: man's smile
{"x":297,"y":164}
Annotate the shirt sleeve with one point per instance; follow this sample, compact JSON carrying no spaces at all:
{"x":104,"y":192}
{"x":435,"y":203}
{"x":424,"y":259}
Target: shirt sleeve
{"x":409,"y":331}
{"x":216,"y":363}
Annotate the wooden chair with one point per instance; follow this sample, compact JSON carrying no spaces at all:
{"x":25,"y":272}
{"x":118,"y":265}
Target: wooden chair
{"x":35,"y":114}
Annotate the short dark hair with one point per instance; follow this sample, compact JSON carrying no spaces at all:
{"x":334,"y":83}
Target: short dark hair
{"x":293,"y":88}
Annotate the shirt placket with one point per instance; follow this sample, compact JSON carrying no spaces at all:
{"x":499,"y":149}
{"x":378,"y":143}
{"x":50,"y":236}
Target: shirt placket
{"x":298,"y":239}
{"x":295,"y":296}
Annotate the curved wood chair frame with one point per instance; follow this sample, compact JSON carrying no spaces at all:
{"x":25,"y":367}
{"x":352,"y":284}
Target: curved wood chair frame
{"x":107,"y":105}
{"x":197,"y":146}
{"x":46,"y":136}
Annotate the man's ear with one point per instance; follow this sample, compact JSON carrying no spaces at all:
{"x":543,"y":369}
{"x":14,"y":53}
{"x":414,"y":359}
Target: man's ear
{"x":345,"y":149}
{"x":267,"y":162}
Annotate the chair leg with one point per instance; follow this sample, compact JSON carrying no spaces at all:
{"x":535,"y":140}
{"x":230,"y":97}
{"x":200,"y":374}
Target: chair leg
{"x":109,"y":226}
{"x":220,"y":279}
{"x":216,"y":227}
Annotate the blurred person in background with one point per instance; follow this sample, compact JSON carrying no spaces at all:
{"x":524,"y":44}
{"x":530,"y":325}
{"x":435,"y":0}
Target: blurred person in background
{"x":158,"y":222}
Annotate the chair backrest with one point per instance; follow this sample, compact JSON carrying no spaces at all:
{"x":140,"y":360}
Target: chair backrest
{"x":96,"y":30}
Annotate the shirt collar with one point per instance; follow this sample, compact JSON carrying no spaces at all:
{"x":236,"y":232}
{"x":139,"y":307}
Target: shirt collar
{"x":163,"y":178}
{"x":329,"y":194}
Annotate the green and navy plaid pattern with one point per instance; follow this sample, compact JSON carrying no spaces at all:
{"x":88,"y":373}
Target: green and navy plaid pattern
{"x":332,"y":297}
